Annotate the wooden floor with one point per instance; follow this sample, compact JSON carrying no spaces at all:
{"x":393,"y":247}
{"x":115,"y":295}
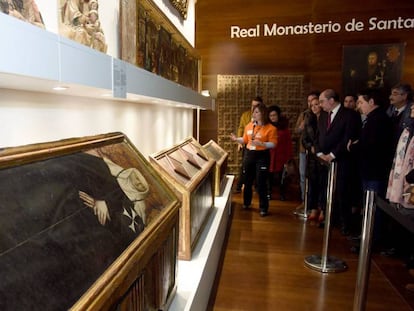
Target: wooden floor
{"x":263,"y":267}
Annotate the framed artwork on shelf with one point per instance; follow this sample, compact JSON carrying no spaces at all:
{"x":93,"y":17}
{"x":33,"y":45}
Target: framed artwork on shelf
{"x":150,"y":41}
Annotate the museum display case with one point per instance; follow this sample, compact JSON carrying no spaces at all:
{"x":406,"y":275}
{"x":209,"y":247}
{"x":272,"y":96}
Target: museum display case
{"x":189,"y":171}
{"x":86,"y":224}
{"x":219,"y":155}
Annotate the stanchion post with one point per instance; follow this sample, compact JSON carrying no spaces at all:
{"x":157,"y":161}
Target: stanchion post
{"x":303,"y":212}
{"x":325,"y":263}
{"x":364,"y":262}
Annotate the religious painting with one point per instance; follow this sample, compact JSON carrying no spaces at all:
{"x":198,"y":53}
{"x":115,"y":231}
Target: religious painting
{"x":141,"y":37}
{"x":148,"y":40}
{"x":73,"y":214}
{"x":165,"y":52}
{"x":151,"y":46}
{"x":371,"y":66}
{"x":80,"y":21}
{"x":181,"y":59}
{"x":190,"y":78}
{"x":174,"y":61}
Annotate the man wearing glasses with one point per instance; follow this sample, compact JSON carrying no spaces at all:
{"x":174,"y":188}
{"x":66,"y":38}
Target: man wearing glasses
{"x":401,"y":99}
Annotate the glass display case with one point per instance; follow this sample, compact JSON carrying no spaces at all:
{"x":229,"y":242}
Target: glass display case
{"x":190,"y":172}
{"x":219,"y":155}
{"x":86,"y":223}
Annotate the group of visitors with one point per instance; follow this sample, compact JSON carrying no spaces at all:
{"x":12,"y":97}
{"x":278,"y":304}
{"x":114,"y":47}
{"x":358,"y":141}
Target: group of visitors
{"x":369,"y":136}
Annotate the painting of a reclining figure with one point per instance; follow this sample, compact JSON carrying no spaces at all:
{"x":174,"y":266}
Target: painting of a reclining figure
{"x":65,"y":220}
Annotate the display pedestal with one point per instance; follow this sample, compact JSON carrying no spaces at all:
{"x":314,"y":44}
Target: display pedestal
{"x":195,"y":278}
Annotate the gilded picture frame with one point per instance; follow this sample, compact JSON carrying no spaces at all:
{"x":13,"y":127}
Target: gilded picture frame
{"x":181,"y":6}
{"x":80,"y":215}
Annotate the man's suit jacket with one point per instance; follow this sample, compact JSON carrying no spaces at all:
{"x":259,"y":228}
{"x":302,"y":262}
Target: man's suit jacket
{"x":400,"y":122}
{"x":375,"y":146}
{"x":344,"y":127}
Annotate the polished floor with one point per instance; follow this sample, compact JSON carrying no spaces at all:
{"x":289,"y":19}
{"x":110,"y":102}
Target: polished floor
{"x":262,"y":267}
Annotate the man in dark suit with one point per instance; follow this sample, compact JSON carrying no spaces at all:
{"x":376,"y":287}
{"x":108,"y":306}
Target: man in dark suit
{"x":374,"y":153}
{"x":337,"y":129}
{"x":401,"y":99}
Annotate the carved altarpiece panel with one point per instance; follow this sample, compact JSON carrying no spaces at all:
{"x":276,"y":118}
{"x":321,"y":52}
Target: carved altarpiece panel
{"x":150,"y":41}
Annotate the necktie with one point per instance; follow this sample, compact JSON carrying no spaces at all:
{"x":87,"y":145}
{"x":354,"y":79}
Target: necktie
{"x":329,"y":120}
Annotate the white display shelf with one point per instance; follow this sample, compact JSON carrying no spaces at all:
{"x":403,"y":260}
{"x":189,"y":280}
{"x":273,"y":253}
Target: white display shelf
{"x":34,"y":59}
{"x":195,"y":278}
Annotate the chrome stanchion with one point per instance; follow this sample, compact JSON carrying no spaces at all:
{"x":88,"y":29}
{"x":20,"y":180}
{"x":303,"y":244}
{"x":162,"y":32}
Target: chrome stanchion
{"x":364,"y":262}
{"x":303,"y":211}
{"x":324,"y":263}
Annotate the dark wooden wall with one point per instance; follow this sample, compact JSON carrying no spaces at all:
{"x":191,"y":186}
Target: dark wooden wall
{"x":316,"y":56}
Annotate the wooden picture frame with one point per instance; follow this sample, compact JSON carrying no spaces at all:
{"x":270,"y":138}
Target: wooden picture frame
{"x":86,"y":224}
{"x":220,"y":156}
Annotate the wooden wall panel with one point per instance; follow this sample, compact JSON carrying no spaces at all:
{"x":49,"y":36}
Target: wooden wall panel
{"x":317,"y":57}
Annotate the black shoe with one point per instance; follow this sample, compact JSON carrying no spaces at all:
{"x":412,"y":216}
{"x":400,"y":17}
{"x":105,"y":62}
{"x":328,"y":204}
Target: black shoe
{"x":246,"y":206}
{"x":263,"y":213}
{"x":344,"y":231}
{"x":354,"y":238}
{"x":389,"y":252}
{"x":355,"y":249}
{"x":282,"y":198}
